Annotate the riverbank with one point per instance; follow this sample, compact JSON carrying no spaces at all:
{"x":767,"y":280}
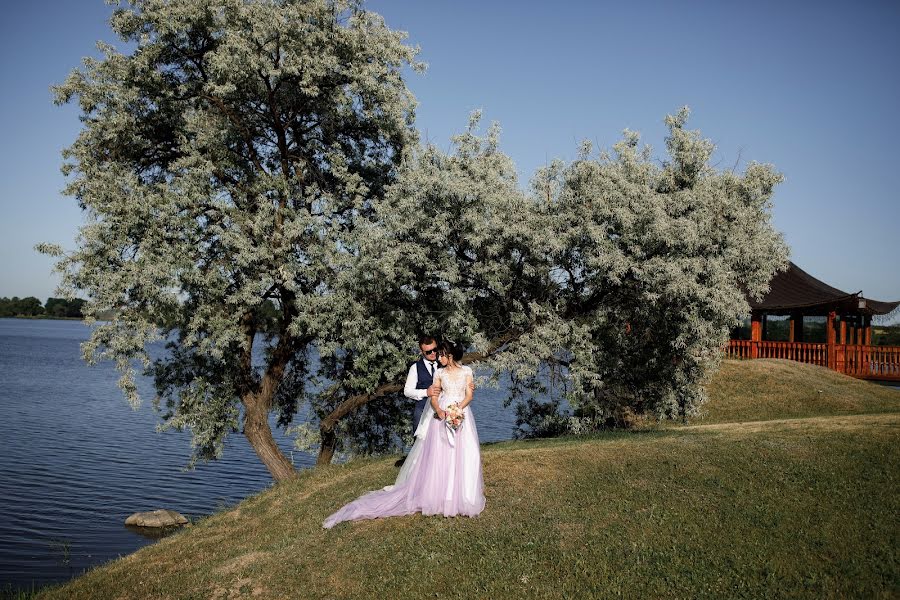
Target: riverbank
{"x":799,"y":503}
{"x":77,"y":460}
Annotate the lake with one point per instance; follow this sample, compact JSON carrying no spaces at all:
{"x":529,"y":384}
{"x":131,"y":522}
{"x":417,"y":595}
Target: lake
{"x":76,"y":460}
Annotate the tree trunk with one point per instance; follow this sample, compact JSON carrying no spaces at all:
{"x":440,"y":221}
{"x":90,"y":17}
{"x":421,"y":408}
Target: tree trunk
{"x":327,"y":438}
{"x":327,"y":444}
{"x":259,"y":434}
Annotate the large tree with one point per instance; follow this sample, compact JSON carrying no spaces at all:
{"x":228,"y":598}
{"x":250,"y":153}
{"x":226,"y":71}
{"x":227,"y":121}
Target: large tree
{"x":224,"y":162}
{"x":251,"y":154}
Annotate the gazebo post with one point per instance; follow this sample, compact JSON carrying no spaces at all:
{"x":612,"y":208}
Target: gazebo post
{"x":755,"y":334}
{"x":829,"y":339}
{"x":866,"y":341}
{"x":844,"y":331}
{"x":797,"y":327}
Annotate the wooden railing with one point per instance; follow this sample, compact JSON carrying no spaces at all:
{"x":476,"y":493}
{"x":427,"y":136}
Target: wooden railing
{"x":866,"y":362}
{"x":870,"y":362}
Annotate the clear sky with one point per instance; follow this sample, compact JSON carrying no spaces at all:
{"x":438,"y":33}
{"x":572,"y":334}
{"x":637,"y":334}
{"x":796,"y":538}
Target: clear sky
{"x":812,"y":87}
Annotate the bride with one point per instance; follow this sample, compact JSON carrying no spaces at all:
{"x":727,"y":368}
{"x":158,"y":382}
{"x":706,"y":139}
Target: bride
{"x":442,"y":474}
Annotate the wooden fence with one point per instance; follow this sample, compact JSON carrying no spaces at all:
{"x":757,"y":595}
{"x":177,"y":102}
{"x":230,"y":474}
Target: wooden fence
{"x":862,"y":361}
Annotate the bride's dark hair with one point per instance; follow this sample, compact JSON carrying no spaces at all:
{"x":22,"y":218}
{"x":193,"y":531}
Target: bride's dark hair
{"x":454,"y":350}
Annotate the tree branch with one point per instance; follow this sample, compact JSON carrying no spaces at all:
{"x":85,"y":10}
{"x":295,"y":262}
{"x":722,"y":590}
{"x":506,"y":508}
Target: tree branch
{"x":326,"y":426}
{"x":247,"y":135}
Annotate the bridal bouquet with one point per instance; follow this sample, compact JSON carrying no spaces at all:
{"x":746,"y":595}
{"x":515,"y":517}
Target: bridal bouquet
{"x":455,"y":416}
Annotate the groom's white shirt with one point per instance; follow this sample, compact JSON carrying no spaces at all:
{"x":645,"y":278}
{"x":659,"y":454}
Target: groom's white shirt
{"x":412,"y":378}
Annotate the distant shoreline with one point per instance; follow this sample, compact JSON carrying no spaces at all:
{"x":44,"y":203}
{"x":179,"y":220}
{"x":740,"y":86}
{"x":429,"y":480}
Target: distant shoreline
{"x":43,"y":317}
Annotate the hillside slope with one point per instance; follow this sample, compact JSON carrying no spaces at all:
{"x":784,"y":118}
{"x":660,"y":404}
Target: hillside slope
{"x":799,"y":507}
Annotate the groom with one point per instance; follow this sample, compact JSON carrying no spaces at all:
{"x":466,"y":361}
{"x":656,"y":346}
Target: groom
{"x":421,"y":376}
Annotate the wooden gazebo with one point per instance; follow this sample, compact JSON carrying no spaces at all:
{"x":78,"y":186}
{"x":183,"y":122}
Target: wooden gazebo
{"x":848,"y":331}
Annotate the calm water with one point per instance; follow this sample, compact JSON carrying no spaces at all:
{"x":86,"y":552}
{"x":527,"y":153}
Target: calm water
{"x":76,"y":460}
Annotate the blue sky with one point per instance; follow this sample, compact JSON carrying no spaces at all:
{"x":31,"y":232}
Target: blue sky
{"x":811,"y":87}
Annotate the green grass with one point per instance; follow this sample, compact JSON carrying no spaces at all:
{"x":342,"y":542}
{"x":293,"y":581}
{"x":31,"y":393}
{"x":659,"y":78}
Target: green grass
{"x":790,"y":507}
{"x":758,"y":390}
{"x":10,"y":592}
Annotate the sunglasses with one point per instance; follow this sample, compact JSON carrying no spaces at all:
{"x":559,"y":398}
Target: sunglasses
{"x":432,"y":351}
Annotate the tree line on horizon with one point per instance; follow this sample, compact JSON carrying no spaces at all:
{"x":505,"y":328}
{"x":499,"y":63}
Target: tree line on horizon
{"x":30,"y":306}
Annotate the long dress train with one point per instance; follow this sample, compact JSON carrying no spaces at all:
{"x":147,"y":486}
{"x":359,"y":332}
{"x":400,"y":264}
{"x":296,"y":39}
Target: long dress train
{"x":441,"y":475}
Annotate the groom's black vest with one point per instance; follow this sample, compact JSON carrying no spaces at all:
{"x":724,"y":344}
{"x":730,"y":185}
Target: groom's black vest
{"x":425,"y":378}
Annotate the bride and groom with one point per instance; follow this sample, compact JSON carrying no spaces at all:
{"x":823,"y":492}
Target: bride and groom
{"x":442,"y":473}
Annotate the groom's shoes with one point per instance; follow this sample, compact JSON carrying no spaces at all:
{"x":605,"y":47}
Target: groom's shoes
{"x":400,"y":461}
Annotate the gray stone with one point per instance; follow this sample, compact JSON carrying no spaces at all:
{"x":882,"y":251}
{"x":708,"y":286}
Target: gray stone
{"x":156,"y":518}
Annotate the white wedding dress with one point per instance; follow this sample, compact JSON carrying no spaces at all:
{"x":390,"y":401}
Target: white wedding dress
{"x":441,"y":475}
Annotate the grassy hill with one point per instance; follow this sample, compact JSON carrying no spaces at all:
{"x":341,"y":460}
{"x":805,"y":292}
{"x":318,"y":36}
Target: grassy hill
{"x":780,"y":389}
{"x":787,"y":487}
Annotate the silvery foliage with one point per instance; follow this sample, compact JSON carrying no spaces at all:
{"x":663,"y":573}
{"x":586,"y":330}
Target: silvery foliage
{"x":615,"y":279}
{"x":454,"y":248}
{"x":653,"y":262}
{"x":254,"y":151}
{"x":226,"y":162}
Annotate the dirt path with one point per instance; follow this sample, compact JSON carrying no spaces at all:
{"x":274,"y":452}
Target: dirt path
{"x":831,"y":422}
